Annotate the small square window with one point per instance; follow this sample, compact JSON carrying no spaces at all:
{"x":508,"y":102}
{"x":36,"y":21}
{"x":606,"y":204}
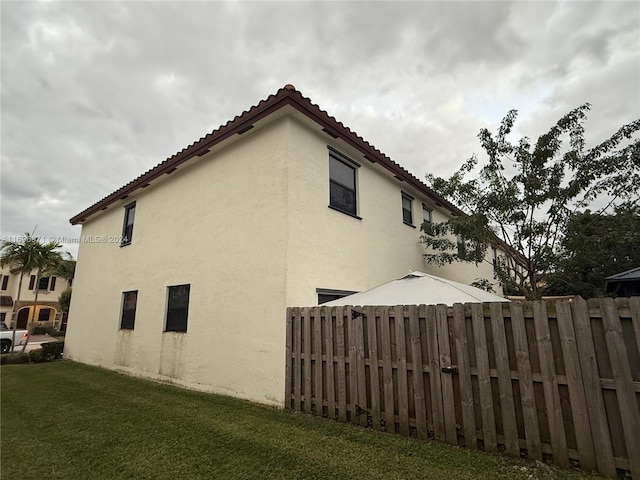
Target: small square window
{"x":43,"y":283}
{"x":127,"y":227}
{"x":177,"y":308}
{"x":44,"y":314}
{"x":407,"y":209}
{"x":129,"y":303}
{"x":342,"y":186}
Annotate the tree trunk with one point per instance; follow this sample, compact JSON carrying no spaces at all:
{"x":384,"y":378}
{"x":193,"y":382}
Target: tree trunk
{"x":14,"y":315}
{"x":35,"y":305}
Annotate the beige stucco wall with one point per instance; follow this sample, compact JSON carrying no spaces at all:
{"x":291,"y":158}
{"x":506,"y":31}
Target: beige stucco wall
{"x":249,"y":228}
{"x":220,"y":226}
{"x":329,"y":249}
{"x":28,"y":296}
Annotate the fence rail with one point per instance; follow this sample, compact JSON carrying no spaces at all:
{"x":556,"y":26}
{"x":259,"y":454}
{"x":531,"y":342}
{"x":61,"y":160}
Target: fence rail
{"x":553,"y":380}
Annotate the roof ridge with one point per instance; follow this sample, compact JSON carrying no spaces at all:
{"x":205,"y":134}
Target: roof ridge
{"x":285,"y":95}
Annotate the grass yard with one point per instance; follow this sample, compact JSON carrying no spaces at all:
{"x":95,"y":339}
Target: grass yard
{"x":71,"y":421}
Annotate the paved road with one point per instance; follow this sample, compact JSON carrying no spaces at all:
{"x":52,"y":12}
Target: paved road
{"x":35,"y":341}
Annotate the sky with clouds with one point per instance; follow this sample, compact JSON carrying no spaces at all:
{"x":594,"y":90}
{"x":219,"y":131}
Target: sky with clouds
{"x":95,"y":93}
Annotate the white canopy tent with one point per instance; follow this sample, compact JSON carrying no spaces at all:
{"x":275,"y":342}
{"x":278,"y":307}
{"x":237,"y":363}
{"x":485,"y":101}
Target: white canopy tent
{"x":418,"y":288}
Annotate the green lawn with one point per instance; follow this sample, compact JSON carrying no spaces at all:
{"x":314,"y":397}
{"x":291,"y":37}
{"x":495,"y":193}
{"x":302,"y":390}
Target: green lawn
{"x":70,"y":421}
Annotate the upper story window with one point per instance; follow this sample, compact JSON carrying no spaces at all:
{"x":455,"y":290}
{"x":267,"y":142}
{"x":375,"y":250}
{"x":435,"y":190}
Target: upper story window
{"x":5,"y":281}
{"x":426,"y":214}
{"x":177,"y":308}
{"x":426,"y":219}
{"x":127,"y":227}
{"x":45,"y":283}
{"x":407,"y":209}
{"x":342,"y":185}
{"x":129,"y":302}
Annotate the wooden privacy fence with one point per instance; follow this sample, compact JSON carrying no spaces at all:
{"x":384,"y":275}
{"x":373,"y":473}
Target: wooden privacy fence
{"x":549,"y":380}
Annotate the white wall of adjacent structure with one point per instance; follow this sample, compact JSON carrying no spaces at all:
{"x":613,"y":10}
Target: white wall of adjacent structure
{"x":249,"y":228}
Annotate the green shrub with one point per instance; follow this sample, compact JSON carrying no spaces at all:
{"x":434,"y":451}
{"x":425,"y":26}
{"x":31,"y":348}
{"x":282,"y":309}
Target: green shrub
{"x":52,"y":350}
{"x":36,"y":356}
{"x":14,"y":358}
{"x":45,"y":330}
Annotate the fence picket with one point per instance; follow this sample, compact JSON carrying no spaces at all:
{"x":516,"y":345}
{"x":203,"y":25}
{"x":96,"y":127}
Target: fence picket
{"x":507,"y":406}
{"x":342,"y":376}
{"x":448,"y":399}
{"x":331,"y":392}
{"x":550,"y":385}
{"x":297,"y":392}
{"x":360,"y":373}
{"x":288,"y":380}
{"x":593,"y":390}
{"x":434,"y":374}
{"x":318,"y":393}
{"x":623,"y":381}
{"x":401,"y":372}
{"x":374,"y":369}
{"x":306,"y":355}
{"x":387,"y":373}
{"x":527,"y":394}
{"x":418,"y":377}
{"x":484,"y":379}
{"x":576,"y":389}
{"x":464,"y":376}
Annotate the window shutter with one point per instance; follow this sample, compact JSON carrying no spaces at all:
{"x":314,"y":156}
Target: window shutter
{"x":5,"y":281}
{"x":32,"y":282}
{"x":53,"y":284}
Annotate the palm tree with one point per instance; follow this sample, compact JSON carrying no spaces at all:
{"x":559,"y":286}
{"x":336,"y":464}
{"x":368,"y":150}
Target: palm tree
{"x":67,"y":268}
{"x":47,"y":262}
{"x":22,"y":255}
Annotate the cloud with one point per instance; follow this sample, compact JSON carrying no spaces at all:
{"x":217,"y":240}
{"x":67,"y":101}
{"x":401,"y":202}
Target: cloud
{"x":95,"y":93}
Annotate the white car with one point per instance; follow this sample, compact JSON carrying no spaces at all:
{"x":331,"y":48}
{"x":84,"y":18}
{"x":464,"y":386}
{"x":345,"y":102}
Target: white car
{"x":6,"y":337}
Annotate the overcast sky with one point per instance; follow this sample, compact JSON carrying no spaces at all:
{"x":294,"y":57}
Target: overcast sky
{"x":95,"y":93}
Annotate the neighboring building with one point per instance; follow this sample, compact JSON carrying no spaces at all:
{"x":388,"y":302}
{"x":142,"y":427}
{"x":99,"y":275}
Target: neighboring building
{"x":625,"y":284}
{"x":47,"y":311}
{"x":185,"y":272}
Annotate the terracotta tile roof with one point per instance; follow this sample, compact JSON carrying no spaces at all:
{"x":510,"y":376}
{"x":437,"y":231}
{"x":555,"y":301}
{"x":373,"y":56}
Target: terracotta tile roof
{"x":288,"y":95}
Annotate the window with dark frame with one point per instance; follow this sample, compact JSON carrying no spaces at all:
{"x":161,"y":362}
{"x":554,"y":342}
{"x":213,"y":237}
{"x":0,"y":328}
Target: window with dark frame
{"x":43,"y":315}
{"x":177,"y":308}
{"x":129,"y":303}
{"x":127,"y":228}
{"x":32,"y":282}
{"x":43,"y":283}
{"x":52,"y":285}
{"x":407,"y":209}
{"x":342,"y":185}
{"x":426,"y":214}
{"x":327,"y":295}
{"x":5,"y":282}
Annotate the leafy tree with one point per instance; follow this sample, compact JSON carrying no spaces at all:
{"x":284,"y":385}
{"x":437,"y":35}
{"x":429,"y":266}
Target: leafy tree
{"x":65,"y":300}
{"x":26,"y":254}
{"x":594,"y":247}
{"x":67,"y":269}
{"x":525,"y":194}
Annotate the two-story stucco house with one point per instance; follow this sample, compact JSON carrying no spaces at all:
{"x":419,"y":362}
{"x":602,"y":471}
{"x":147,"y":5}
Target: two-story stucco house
{"x":21,"y":309}
{"x":185,"y":272}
